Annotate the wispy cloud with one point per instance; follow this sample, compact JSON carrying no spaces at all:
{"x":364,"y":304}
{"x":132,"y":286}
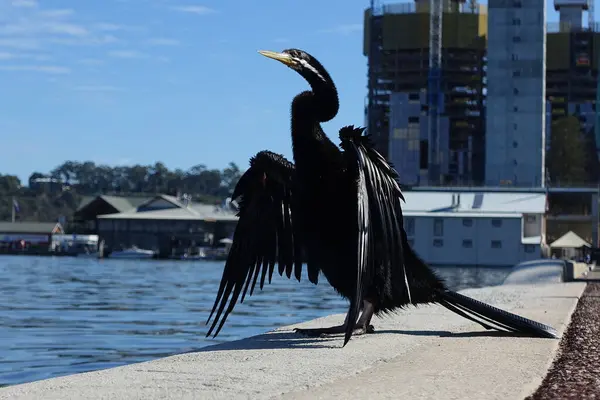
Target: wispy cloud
{"x":129,"y":54}
{"x":24,"y":3}
{"x":163,"y":42}
{"x":98,"y":88}
{"x":90,"y":61}
{"x":50,"y":22}
{"x":104,"y":26}
{"x":110,"y":27}
{"x":7,"y":55}
{"x":84,"y":41}
{"x":19,"y":43}
{"x":30,"y":27}
{"x":343,"y":29}
{"x":199,"y":10}
{"x":48,"y":69}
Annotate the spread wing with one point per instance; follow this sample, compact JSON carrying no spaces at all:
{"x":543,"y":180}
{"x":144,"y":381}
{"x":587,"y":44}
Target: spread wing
{"x":266,"y":233}
{"x":379,"y":214}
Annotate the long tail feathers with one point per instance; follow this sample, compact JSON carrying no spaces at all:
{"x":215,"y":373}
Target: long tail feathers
{"x":491,"y":317}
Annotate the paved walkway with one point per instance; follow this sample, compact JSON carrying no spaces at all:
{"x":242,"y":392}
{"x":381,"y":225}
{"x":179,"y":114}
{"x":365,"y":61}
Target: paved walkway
{"x":420,"y":353}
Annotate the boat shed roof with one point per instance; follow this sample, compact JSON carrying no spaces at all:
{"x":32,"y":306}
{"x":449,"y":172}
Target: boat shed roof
{"x":475,"y":202}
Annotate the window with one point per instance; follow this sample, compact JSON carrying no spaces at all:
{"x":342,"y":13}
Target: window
{"x":496,"y":244}
{"x":515,"y":127}
{"x":515,"y":144}
{"x":515,"y":91}
{"x":515,"y":57}
{"x":438,"y":243}
{"x":515,"y":108}
{"x":516,"y":72}
{"x":496,"y":223}
{"x":438,"y":227}
{"x":413,"y":120}
{"x":136,"y":226}
{"x":530,"y":219}
{"x":516,"y":21}
{"x":409,"y":226}
{"x":424,"y":160}
{"x":467,"y":243}
{"x":413,"y":96}
{"x":467,"y":222}
{"x":516,"y":39}
{"x":529,"y":248}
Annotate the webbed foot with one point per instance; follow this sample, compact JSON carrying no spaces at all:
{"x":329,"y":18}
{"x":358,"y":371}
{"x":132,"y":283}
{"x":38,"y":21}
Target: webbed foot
{"x":333,"y":330}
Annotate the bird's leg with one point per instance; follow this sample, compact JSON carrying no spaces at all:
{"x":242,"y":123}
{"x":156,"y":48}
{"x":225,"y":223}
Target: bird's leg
{"x":362,"y":325}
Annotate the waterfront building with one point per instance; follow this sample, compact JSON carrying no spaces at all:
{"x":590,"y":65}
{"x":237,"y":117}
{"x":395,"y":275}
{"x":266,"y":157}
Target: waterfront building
{"x":166,"y":222}
{"x":476,"y":227}
{"x":28,"y":235}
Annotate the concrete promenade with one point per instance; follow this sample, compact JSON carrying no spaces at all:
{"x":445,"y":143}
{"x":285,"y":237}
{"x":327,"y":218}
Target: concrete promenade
{"x":419,"y":353}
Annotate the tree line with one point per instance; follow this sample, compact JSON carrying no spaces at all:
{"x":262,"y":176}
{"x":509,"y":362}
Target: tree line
{"x":46,"y":196}
{"x":570,"y":161}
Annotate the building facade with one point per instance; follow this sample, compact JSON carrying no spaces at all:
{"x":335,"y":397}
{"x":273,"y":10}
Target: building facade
{"x":485,"y":228}
{"x":408,"y":136}
{"x":515,"y":103}
{"x":484,"y":239}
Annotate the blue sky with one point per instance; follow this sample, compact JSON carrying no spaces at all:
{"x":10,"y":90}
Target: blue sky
{"x":177,"y":81}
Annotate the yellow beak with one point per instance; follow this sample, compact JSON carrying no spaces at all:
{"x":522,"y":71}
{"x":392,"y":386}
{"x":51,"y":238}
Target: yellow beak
{"x":281,"y":57}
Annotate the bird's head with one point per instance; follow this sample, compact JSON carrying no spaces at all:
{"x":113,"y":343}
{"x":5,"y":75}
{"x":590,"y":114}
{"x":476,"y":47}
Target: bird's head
{"x":303,"y":63}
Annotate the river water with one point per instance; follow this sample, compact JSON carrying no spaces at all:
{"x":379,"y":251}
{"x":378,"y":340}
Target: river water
{"x":61,"y":315}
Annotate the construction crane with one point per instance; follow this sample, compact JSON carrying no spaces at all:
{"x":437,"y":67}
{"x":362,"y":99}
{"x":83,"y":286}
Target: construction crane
{"x":373,"y":109}
{"x":434,"y":89}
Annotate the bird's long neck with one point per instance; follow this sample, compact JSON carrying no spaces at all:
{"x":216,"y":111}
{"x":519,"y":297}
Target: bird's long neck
{"x":309,"y":109}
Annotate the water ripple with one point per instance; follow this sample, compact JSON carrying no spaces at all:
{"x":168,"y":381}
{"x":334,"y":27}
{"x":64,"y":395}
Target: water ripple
{"x":61,"y":316}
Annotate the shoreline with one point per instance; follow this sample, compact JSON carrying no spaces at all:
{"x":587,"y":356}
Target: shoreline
{"x":399,"y":359}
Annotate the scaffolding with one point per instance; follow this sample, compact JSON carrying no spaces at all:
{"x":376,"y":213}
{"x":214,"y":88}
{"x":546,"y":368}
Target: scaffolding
{"x":433,"y":89}
{"x":397,"y":43}
{"x":572,"y":59}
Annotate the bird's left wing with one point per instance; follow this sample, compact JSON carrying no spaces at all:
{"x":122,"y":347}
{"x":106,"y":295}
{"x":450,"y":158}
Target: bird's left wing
{"x":379,"y":214}
{"x":266,"y":232}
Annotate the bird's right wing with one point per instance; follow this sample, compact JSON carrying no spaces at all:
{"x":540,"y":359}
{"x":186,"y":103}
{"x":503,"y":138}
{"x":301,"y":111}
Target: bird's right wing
{"x":266,"y":232}
{"x":379,"y":213}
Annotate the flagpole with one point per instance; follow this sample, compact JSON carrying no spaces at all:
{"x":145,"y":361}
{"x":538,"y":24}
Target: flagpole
{"x":13,"y":209}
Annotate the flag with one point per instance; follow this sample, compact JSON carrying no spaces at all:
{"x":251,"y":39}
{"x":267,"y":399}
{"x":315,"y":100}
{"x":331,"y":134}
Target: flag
{"x":16,"y":206}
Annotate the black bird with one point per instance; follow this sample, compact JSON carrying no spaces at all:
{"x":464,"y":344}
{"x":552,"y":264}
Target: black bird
{"x":341,"y":212}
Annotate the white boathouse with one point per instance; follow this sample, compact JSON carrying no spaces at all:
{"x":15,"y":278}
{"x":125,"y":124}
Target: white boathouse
{"x":485,"y":228}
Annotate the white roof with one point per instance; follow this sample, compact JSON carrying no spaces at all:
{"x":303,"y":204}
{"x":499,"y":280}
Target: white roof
{"x":475,"y":202}
{"x":569,"y":240}
{"x":193,"y":212}
{"x":458,"y":214}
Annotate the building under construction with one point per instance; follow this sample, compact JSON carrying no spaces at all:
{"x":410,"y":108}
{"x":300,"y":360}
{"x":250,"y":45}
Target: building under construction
{"x":397,"y":44}
{"x":573,"y":53}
